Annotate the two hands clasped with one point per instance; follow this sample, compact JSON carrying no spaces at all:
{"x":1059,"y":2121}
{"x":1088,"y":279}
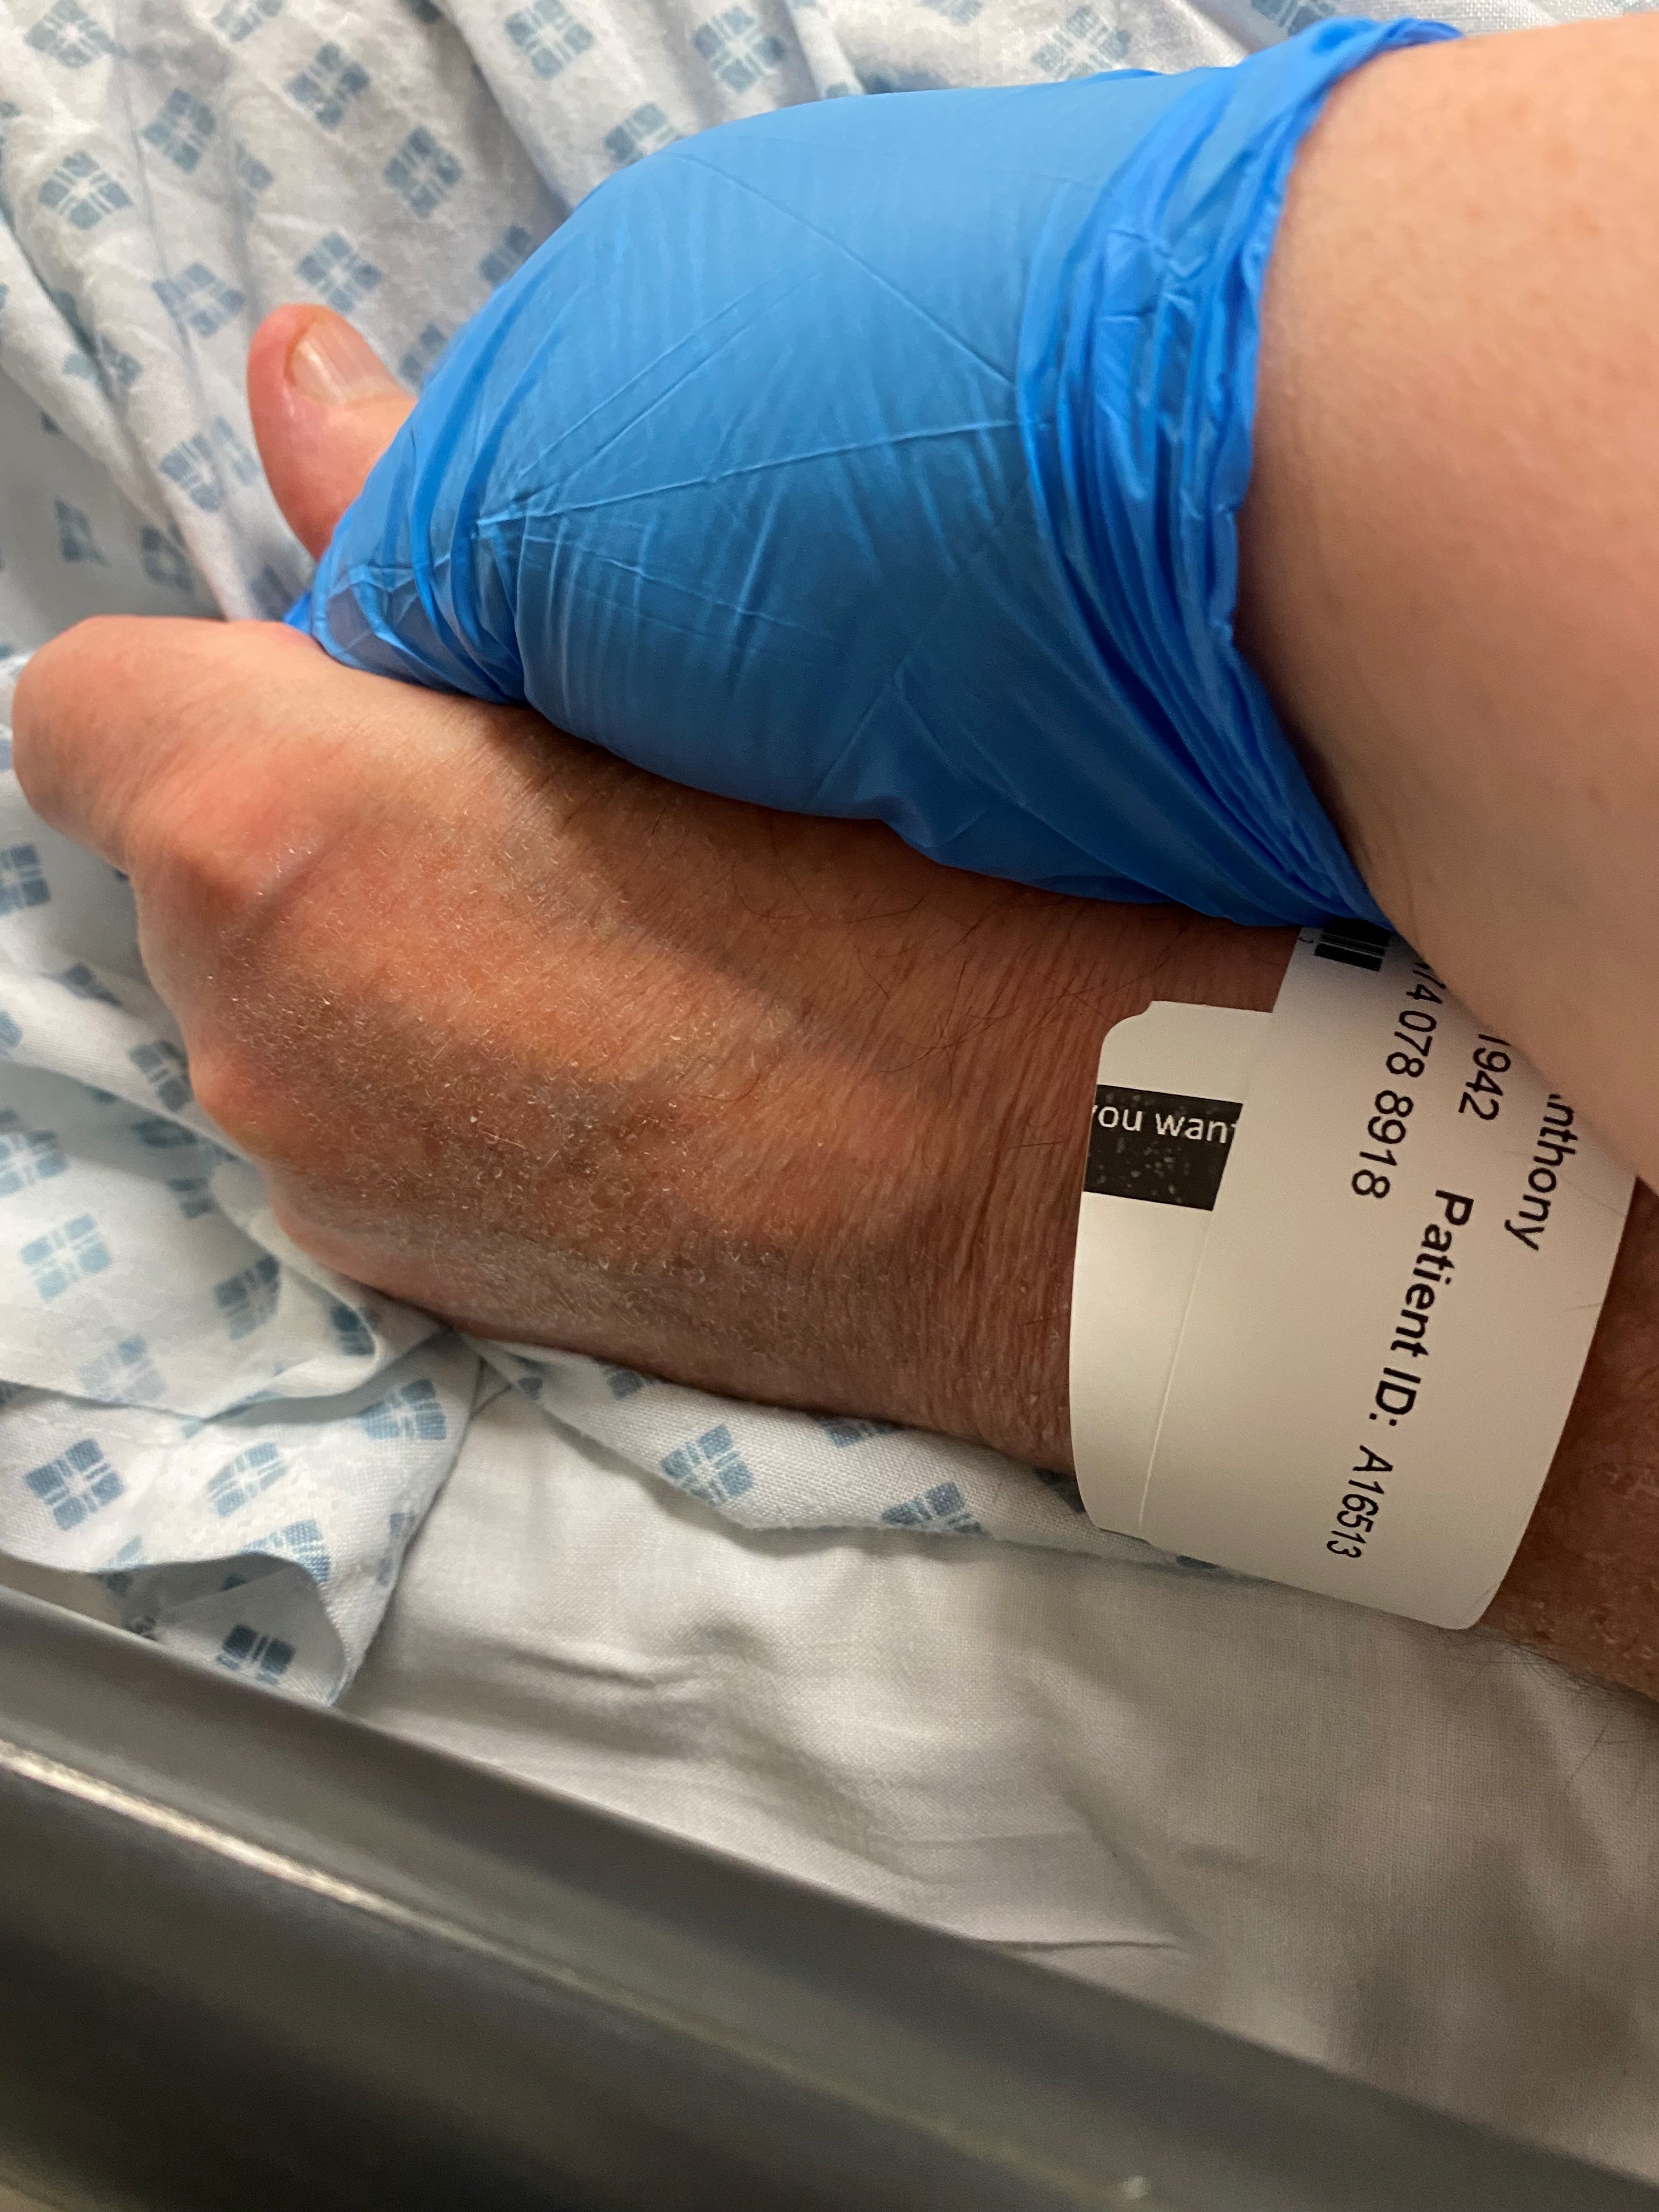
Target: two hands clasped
{"x":526,"y":1036}
{"x":772,"y":1105}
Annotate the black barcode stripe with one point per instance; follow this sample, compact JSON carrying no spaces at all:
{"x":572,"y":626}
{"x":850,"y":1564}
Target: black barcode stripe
{"x":1355,"y":944}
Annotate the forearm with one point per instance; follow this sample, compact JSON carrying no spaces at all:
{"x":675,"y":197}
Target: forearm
{"x":1452,"y":531}
{"x":1584,"y":1583}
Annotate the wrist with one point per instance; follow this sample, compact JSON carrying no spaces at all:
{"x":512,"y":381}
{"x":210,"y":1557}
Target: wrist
{"x":1584,"y":1584}
{"x":999,"y":1360}
{"x":993,"y":1362}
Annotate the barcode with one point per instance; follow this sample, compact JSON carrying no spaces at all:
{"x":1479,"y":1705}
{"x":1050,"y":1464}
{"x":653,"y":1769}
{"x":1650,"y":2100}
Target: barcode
{"x":1355,"y":944}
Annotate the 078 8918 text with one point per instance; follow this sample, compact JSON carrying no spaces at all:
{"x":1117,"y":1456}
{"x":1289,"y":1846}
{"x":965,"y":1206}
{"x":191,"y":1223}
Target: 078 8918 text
{"x":1410,"y":1045}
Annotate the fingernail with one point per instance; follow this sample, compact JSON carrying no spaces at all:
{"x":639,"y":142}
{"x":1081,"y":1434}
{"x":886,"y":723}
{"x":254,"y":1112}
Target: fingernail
{"x":332,"y":365}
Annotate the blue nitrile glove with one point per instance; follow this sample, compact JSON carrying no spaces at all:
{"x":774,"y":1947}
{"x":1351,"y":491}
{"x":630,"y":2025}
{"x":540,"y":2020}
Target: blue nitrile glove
{"x":883,"y":458}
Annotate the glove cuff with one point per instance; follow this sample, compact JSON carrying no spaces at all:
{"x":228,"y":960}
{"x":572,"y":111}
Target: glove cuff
{"x":1138,"y":381}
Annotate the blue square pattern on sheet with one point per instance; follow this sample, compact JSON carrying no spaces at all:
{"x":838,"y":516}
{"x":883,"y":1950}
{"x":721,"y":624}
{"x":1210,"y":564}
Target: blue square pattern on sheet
{"x":77,"y":1484}
{"x":64,"y":1257}
{"x":709,"y":1466}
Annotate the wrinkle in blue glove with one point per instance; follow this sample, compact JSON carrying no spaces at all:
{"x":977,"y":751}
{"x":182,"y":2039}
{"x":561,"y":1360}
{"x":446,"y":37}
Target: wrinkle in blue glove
{"x":883,"y":458}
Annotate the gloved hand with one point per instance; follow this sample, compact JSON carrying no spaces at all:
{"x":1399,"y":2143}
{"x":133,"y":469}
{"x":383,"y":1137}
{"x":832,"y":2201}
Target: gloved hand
{"x":882,"y":459}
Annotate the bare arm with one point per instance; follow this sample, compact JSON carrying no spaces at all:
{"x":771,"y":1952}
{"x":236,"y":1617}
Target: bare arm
{"x":1451,"y":543}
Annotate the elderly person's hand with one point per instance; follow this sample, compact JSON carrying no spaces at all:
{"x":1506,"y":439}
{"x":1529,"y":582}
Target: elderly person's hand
{"x":564,"y":1053}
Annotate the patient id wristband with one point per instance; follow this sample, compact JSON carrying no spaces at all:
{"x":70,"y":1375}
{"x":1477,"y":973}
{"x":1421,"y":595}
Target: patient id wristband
{"x":1338,"y":1271}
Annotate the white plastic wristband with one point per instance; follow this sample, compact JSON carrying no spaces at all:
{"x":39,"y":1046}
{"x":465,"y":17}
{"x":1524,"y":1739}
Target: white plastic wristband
{"x":1338,"y":1270}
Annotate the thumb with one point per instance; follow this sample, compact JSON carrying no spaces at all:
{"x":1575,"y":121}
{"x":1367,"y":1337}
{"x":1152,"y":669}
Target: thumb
{"x":324,"y":408}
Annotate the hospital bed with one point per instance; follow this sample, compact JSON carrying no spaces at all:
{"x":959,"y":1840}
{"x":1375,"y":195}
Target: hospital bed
{"x":252,"y":1954}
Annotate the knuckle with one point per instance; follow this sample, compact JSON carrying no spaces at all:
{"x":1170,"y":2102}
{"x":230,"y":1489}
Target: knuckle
{"x":104,"y":713}
{"x":197,"y":848}
{"x":222,"y":1082}
{"x":57,"y":675}
{"x":238,"y":1097}
{"x":219,"y":838}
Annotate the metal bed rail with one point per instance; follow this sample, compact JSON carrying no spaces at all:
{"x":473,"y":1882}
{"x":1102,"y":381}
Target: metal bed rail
{"x":260,"y":1956}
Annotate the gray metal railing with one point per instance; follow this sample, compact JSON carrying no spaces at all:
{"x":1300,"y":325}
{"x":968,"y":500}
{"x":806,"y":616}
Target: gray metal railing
{"x":257,"y":1956}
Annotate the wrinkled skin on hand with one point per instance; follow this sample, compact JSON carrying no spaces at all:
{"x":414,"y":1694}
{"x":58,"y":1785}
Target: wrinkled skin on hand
{"x":525,"y":1036}
{"x":567,"y":1053}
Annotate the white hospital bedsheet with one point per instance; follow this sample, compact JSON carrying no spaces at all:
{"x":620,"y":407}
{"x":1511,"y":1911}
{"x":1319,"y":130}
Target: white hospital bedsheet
{"x":1428,"y":1860}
